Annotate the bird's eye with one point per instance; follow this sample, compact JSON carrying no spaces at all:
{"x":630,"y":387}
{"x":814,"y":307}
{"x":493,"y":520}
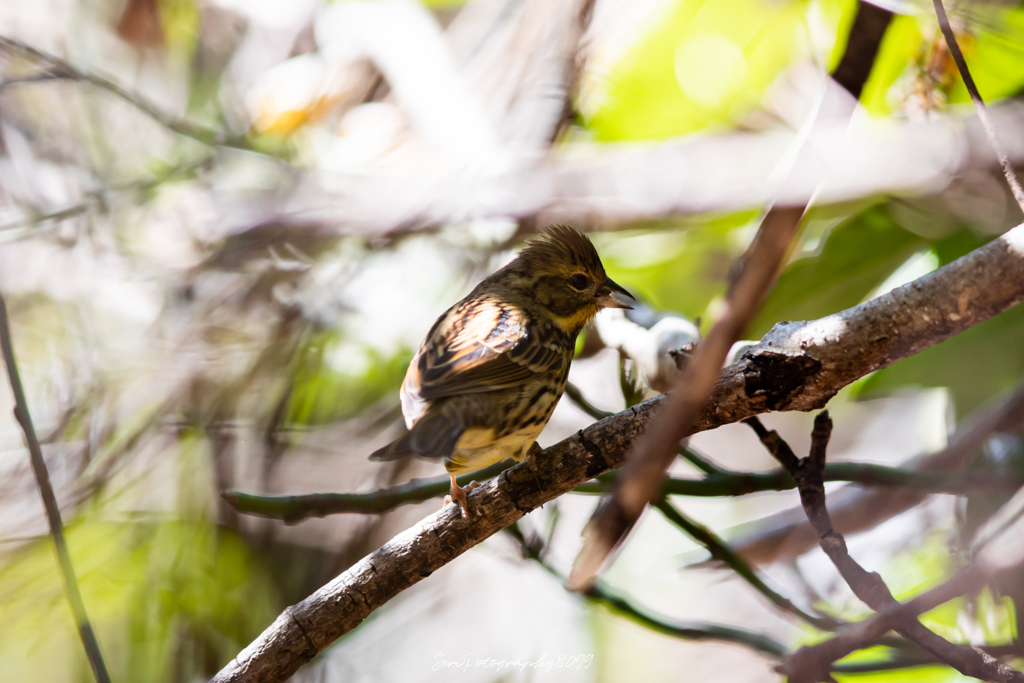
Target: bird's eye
{"x":579,"y":281}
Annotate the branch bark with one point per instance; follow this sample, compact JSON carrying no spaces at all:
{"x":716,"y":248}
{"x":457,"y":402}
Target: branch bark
{"x":797,"y":366}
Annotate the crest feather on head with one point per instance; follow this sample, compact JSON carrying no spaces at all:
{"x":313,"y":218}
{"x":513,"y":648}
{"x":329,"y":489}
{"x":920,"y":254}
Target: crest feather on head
{"x":562,"y":245}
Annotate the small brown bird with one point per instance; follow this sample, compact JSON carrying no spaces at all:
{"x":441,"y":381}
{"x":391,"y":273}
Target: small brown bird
{"x":486,"y":379}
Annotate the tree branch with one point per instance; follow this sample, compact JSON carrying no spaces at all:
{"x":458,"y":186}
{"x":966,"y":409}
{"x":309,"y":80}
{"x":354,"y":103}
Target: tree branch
{"x":720,"y":551}
{"x":852,"y":510}
{"x":24,"y":418}
{"x":797,"y":366}
{"x":292,"y":509}
{"x":998,"y":549}
{"x":63,"y":70}
{"x":865,"y":37}
{"x":867,"y":586}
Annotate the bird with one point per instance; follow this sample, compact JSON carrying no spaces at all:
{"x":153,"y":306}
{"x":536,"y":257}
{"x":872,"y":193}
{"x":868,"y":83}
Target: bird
{"x":484,"y":382}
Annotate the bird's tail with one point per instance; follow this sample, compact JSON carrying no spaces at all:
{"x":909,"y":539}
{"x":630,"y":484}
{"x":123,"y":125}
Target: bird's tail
{"x":433,"y":436}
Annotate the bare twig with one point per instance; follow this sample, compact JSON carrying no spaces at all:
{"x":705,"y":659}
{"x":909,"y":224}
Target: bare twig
{"x":855,"y":509}
{"x":979,"y":104}
{"x":533,"y":548}
{"x":721,"y":552}
{"x":759,"y":642}
{"x":868,"y":586}
{"x":576,"y":396}
{"x":63,"y":70}
{"x":44,"y":77}
{"x":292,"y":509}
{"x":699,"y":461}
{"x":24,"y":418}
{"x":17,"y":229}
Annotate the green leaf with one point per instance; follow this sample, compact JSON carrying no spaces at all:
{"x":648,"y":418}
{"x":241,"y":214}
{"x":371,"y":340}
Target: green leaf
{"x":707,"y":64}
{"x":975,"y":365}
{"x":994,"y":53}
{"x":856,"y":257}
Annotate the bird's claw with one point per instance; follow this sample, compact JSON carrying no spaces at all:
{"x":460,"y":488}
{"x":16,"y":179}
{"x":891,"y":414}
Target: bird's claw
{"x":458,"y":495}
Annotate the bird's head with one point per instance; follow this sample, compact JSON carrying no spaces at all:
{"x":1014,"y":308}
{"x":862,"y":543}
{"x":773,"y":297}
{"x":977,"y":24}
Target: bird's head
{"x":561,"y":271}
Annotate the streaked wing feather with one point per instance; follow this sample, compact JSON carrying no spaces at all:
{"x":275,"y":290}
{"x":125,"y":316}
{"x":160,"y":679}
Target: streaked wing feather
{"x":483,"y":345}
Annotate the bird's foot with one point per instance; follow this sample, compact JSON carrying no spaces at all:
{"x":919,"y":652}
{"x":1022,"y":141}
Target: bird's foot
{"x":458,"y":495}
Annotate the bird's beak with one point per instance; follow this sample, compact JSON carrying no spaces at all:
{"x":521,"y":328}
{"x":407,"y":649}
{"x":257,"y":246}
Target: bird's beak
{"x":612,"y":295}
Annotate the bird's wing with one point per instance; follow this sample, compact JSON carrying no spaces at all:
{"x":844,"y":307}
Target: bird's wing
{"x":483,"y":345}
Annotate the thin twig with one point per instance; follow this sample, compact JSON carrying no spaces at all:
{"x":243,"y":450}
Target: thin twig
{"x":759,"y":642}
{"x":296,"y":508}
{"x":720,"y":551}
{"x":66,"y":71}
{"x":292,"y":509}
{"x":576,"y":396}
{"x":35,"y":78}
{"x":533,"y":549}
{"x":979,"y":104}
{"x":787,"y":534}
{"x":864,"y":474}
{"x":24,"y":418}
{"x":867,"y":586}
{"x":96,"y":198}
{"x":699,"y":461}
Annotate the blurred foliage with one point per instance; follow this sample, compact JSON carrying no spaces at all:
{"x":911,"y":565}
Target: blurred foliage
{"x":708,"y":63}
{"x":913,"y":61}
{"x":677,"y":266}
{"x":171,"y":600}
{"x":334,"y":380}
{"x":175,"y":595}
